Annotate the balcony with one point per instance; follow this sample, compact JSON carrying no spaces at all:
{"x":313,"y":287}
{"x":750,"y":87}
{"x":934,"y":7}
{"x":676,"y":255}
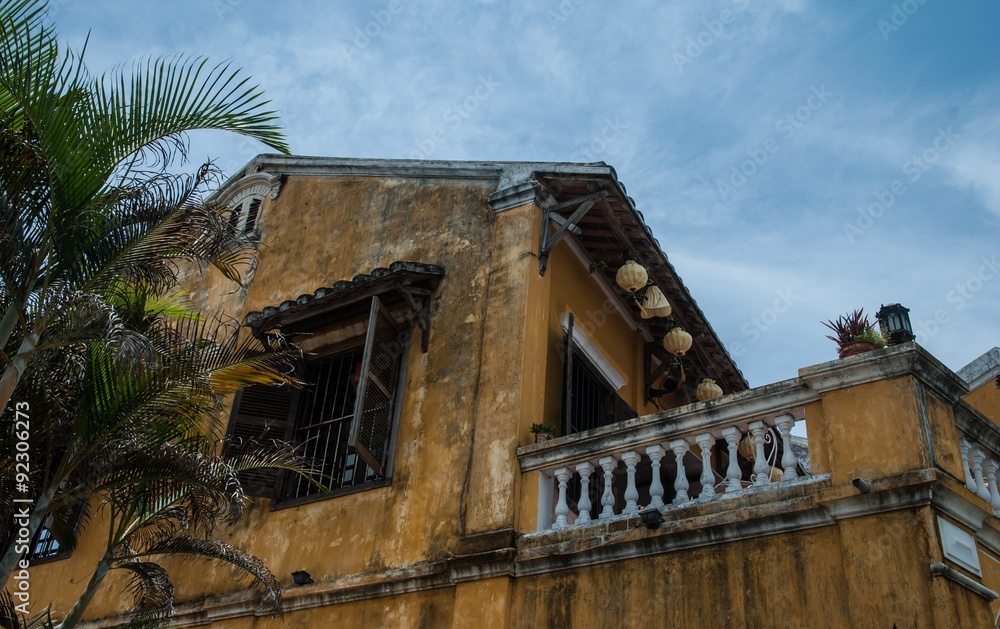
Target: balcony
{"x":887,"y":430}
{"x":710,"y":451}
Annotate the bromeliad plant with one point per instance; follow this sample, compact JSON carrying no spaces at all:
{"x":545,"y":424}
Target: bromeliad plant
{"x":855,"y":333}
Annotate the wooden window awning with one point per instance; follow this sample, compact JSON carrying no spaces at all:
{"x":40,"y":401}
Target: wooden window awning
{"x":407,"y":286}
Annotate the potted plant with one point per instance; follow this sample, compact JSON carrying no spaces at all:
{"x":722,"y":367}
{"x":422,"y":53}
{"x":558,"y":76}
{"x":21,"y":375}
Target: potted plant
{"x":543,"y":432}
{"x":855,"y":334}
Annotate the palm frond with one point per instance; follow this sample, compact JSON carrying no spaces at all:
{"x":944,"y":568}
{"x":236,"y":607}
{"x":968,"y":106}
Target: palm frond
{"x":245,"y":564}
{"x":151,"y":589}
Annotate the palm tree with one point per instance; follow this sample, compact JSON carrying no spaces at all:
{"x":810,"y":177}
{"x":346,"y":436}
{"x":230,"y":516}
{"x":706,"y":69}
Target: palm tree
{"x":187,"y":492}
{"x":72,"y":153}
{"x":143,"y":442}
{"x":92,"y":228}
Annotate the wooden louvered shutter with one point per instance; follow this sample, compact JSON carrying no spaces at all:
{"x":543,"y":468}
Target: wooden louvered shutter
{"x":622,"y":410}
{"x":373,"y":410}
{"x":263,"y":414}
{"x":568,"y":377}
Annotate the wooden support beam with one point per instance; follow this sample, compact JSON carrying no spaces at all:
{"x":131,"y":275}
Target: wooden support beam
{"x":549,"y":242}
{"x":422,"y":314}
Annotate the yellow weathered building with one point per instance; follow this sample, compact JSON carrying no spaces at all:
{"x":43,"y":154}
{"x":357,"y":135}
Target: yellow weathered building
{"x":464,"y":302}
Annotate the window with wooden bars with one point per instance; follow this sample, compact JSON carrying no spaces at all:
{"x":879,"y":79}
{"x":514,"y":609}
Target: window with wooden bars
{"x":589,"y":400}
{"x":342,"y":421}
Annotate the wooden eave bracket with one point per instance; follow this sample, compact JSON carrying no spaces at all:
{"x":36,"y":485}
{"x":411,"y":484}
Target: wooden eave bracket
{"x":667,"y":361}
{"x":649,"y":373}
{"x":550,"y":215}
{"x":422,"y":308}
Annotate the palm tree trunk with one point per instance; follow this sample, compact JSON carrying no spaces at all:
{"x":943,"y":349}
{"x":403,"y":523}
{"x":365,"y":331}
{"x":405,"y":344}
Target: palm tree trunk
{"x":8,"y":322}
{"x":76,"y":613}
{"x":12,"y":374}
{"x":10,"y":555}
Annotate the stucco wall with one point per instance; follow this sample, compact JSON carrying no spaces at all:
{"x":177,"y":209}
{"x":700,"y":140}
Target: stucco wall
{"x":303,"y":248}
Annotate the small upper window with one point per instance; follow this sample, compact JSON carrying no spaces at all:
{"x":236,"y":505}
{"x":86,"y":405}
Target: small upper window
{"x":243,"y":216}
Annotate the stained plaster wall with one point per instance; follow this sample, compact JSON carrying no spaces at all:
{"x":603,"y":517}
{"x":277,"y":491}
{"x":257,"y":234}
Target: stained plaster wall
{"x":320,"y":230}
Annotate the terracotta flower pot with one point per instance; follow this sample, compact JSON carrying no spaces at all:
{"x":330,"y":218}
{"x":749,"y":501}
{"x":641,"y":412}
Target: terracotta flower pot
{"x":857,"y":347}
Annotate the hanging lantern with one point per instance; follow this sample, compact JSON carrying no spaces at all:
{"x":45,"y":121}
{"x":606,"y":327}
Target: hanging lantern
{"x":632,"y":276}
{"x":748,"y":448}
{"x":707,"y":390}
{"x":654,"y":304}
{"x":677,"y":341}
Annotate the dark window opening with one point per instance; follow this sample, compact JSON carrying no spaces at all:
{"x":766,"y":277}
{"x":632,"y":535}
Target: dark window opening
{"x":323,"y":426}
{"x":588,"y":400}
{"x":252,"y":211}
{"x":243,"y":217}
{"x":593,"y":401}
{"x":342,"y":422}
{"x":44,"y":544}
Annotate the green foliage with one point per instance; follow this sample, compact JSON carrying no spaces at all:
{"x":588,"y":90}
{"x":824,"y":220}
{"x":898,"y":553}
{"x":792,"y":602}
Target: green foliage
{"x":848,"y":327}
{"x":549,"y":429}
{"x":853,"y":327}
{"x":871,"y":335}
{"x":123,"y":379}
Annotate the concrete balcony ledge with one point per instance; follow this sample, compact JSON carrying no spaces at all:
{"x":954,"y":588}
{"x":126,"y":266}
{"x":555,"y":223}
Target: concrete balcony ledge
{"x":883,"y":364}
{"x":757,"y":512}
{"x":716,"y":414}
{"x":787,"y":396}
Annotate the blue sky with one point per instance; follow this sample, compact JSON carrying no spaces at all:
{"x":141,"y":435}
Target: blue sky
{"x":796,"y":159}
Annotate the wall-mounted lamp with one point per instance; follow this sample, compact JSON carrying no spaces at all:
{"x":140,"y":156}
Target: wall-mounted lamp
{"x":894,"y":323}
{"x":651,"y":518}
{"x":861,"y":485}
{"x":301,"y":577}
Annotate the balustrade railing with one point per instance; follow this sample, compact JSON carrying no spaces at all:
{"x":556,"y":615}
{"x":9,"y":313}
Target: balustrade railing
{"x":690,"y":465}
{"x":981,"y":467}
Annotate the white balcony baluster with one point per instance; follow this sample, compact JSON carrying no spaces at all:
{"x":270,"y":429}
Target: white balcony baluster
{"x":788,"y":460}
{"x":680,"y":448}
{"x":563,"y":474}
{"x":970,"y":481}
{"x":585,"y":470}
{"x":976,"y":456}
{"x":631,"y":459}
{"x":705,"y":442}
{"x":608,"y":464}
{"x":991,"y":468}
{"x":760,"y":467}
{"x":655,"y":453}
{"x":733,"y":472}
